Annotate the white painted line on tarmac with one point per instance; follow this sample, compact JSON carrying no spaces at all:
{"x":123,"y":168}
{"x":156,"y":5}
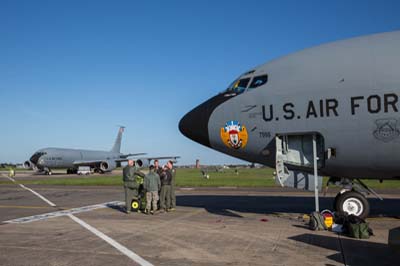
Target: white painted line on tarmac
{"x":50,"y":215}
{"x":8,"y":177}
{"x":186,"y":188}
{"x":130,"y":254}
{"x":40,"y":196}
{"x":34,"y":192}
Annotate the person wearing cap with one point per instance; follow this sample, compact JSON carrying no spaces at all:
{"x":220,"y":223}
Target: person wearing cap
{"x":152,"y":184}
{"x":131,"y":186}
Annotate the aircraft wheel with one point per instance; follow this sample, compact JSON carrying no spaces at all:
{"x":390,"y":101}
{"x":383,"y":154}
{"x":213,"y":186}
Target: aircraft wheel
{"x":352,"y":202}
{"x":135,"y":205}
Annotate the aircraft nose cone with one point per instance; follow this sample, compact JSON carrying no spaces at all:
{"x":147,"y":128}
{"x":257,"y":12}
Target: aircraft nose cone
{"x":194,"y":125}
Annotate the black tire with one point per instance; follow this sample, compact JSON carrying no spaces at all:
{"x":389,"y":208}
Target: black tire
{"x":352,"y":202}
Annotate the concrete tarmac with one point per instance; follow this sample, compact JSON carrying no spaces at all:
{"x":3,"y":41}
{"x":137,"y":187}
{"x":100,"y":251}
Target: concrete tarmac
{"x":210,"y":227}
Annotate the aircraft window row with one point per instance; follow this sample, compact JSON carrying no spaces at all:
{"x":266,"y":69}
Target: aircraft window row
{"x":240,"y":85}
{"x":53,"y":158}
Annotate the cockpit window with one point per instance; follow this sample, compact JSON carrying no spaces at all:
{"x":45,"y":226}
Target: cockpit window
{"x":258,"y":81}
{"x":36,"y":156}
{"x":238,"y":86}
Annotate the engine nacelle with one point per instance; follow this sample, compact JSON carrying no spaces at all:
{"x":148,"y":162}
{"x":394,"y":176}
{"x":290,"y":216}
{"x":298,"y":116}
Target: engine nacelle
{"x":143,"y":162}
{"x":107,"y":166}
{"x":28,"y":164}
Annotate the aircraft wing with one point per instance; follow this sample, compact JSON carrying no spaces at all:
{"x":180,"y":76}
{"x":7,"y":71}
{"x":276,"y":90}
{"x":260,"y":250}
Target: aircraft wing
{"x":142,"y":161}
{"x":163,"y":158}
{"x":124,"y":156}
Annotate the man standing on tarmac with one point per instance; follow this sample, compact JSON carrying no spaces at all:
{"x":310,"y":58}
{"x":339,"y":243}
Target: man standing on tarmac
{"x":152,"y":184}
{"x":131,"y":186}
{"x":172,"y":195}
{"x":157,"y":168}
{"x":165,"y":197}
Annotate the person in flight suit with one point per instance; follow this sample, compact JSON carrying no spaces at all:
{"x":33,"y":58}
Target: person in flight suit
{"x":152,"y":184}
{"x":170,"y":166}
{"x":165,"y":198}
{"x":131,"y":186}
{"x":157,"y":168}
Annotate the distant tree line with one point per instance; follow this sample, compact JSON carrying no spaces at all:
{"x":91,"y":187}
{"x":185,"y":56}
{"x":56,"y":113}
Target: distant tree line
{"x":7,"y":165}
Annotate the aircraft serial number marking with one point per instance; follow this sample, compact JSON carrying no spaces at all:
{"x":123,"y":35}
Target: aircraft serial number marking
{"x":374,"y":104}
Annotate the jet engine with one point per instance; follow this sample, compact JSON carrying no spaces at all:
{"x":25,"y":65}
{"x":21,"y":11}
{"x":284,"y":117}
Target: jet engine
{"x":107,"y":166}
{"x":143,"y":162}
{"x":28,"y":164}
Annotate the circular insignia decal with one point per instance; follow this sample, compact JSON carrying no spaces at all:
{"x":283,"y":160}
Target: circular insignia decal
{"x":234,"y":135}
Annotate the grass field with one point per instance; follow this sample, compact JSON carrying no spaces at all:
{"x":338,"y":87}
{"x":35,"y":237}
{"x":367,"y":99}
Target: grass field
{"x":193,"y":178}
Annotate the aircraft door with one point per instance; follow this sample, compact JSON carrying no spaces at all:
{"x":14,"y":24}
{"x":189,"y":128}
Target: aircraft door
{"x":295,"y":152}
{"x":298,"y":150}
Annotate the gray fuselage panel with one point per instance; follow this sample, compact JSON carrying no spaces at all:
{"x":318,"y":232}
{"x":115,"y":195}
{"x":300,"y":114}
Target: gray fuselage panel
{"x":348,"y":91}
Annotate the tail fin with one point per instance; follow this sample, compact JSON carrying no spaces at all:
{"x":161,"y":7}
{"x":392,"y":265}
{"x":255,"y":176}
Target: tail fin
{"x":117,"y":144}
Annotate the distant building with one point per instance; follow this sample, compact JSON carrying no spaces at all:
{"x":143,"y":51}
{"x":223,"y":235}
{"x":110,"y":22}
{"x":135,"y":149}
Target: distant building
{"x":197,"y":163}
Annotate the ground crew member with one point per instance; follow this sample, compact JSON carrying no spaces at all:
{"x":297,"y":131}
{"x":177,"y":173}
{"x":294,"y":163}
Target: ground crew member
{"x":165,"y":197}
{"x":171,"y":168}
{"x":158,"y":170}
{"x":152,"y":184}
{"x":130,"y":172}
{"x":11,"y":173}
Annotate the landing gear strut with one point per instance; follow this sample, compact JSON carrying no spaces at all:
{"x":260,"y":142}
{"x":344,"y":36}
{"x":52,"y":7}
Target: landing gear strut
{"x":47,"y":171}
{"x":351,"y":199}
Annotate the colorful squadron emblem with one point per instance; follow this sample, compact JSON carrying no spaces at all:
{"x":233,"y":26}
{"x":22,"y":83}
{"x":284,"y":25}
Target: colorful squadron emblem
{"x":234,"y":135}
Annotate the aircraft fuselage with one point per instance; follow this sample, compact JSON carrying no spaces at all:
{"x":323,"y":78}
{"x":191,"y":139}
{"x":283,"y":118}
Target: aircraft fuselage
{"x":347,"y":92}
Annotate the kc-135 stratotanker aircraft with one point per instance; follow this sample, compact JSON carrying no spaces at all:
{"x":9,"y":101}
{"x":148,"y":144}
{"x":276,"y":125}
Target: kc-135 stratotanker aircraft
{"x":101,"y":161}
{"x":344,"y":95}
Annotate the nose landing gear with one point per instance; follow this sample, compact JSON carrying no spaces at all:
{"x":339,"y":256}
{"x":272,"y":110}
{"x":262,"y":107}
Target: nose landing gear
{"x":47,"y":171}
{"x":352,"y":198}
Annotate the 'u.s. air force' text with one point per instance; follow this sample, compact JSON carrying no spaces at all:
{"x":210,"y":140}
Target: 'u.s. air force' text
{"x":373,"y":104}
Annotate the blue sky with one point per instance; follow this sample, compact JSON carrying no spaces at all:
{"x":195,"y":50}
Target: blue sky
{"x":71,"y":71}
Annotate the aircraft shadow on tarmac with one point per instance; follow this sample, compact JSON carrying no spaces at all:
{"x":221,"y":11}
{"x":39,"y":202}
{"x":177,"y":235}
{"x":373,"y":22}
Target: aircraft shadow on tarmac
{"x":224,"y":205}
{"x":356,"y":252}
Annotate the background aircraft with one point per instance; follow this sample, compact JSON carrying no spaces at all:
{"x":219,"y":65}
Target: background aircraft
{"x":345,"y":94}
{"x":71,"y":159}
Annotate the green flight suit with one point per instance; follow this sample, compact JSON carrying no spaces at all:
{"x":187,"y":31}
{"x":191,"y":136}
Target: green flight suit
{"x":131,"y":184}
{"x":165,"y":194}
{"x":172,"y":192}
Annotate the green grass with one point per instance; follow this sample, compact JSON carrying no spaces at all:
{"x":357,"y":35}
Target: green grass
{"x":193,"y":178}
{"x":227,"y":178}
